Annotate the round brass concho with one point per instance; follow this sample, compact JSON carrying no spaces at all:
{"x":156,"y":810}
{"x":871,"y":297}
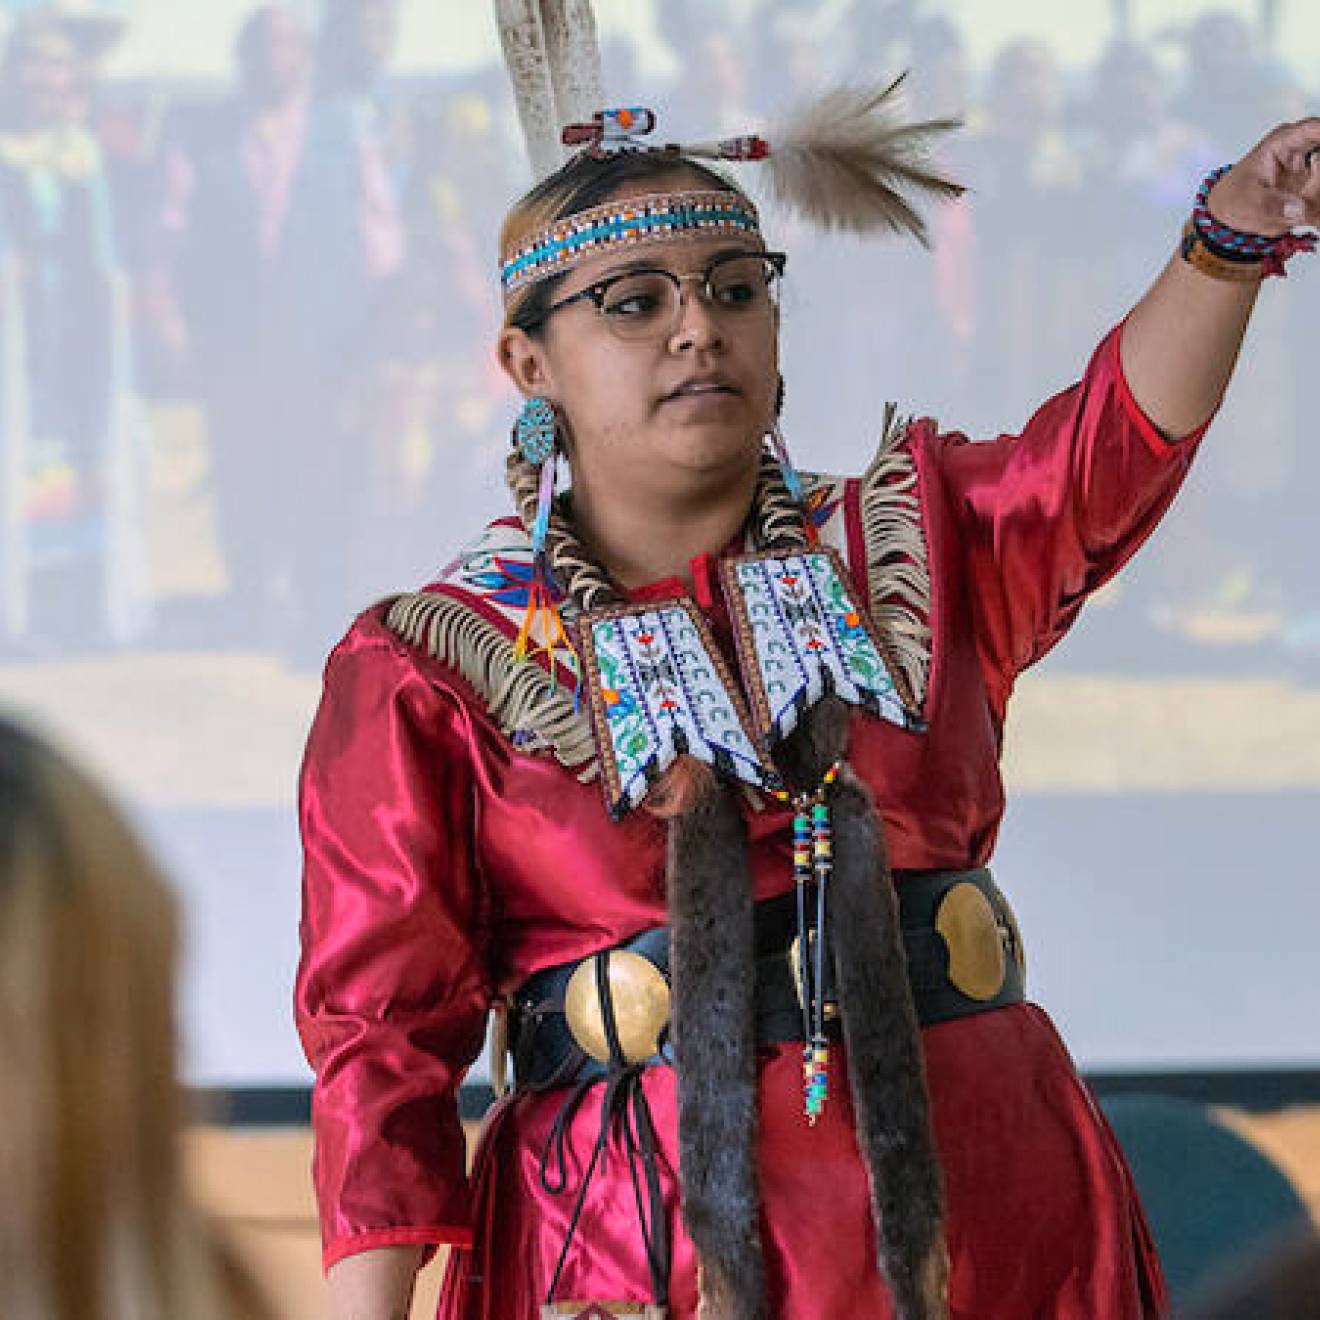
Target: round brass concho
{"x":967,"y":923}
{"x":640,"y":995}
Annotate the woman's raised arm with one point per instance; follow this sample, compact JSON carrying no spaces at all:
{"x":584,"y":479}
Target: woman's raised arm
{"x":1181,"y":342}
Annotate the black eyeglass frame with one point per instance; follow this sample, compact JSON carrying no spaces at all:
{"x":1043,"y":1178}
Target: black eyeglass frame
{"x":596,"y":293}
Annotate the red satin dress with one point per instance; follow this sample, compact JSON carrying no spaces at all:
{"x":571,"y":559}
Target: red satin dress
{"x":444,"y":867}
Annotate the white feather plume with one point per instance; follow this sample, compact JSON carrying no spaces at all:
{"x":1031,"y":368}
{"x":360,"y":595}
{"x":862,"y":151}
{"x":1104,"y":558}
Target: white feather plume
{"x":849,"y":160}
{"x":573,"y":52}
{"x":522,"y":35}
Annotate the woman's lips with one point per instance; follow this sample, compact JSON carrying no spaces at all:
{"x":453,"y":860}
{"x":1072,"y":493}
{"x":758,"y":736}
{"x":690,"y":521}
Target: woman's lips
{"x":703,"y":392}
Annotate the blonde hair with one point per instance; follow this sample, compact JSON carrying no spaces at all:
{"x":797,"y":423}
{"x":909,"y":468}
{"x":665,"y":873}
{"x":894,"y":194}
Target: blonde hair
{"x":94,"y":1220}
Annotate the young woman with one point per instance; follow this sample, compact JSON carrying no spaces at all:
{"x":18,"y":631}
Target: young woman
{"x":843,"y":654}
{"x":95,"y":1221}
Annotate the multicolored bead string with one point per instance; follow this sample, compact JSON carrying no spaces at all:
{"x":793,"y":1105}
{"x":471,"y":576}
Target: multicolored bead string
{"x":813,"y":864}
{"x":542,"y":606}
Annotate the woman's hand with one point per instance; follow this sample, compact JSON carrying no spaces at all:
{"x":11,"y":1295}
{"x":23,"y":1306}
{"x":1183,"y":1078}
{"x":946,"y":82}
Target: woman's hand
{"x":1276,"y":186}
{"x":1182,"y":339}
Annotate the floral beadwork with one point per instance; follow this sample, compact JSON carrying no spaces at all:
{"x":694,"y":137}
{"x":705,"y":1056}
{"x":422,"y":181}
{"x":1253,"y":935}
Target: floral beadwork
{"x":658,"y":691}
{"x":802,"y":635}
{"x":498,"y":569}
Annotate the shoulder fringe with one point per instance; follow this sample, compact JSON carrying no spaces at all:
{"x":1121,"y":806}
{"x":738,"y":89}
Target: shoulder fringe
{"x":897,"y":562}
{"x":526,"y":703}
{"x":535,"y":711}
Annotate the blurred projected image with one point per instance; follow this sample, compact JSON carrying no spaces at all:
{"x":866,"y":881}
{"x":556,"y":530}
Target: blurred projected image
{"x":243,"y":374}
{"x":248,"y":305}
{"x":72,"y":457}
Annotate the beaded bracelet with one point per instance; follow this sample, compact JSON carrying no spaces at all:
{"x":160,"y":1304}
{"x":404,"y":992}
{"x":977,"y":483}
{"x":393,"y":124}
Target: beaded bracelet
{"x":1197,"y":253}
{"x":1225,"y":253}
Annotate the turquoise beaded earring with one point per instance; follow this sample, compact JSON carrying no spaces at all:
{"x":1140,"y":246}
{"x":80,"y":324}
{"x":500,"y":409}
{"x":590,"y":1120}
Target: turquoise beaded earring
{"x":534,"y":431}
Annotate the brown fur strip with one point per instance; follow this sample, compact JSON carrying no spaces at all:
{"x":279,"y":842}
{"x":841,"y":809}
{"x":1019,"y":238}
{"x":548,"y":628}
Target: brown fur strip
{"x":881,"y":1036}
{"x":713,"y":962}
{"x":885,"y":1065}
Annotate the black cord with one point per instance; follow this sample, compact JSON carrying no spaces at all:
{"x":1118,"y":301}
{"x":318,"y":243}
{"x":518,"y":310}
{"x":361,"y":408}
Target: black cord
{"x":623,"y":1106}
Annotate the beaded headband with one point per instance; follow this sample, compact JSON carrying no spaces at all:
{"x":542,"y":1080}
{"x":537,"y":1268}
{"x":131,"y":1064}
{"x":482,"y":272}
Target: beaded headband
{"x":626,"y":224}
{"x":844,"y":162}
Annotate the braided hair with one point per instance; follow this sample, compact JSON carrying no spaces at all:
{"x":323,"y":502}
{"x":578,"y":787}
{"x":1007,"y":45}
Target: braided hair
{"x":582,"y":183}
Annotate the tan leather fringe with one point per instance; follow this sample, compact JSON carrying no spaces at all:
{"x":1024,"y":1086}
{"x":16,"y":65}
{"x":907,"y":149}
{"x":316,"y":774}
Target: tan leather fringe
{"x":897,"y":562}
{"x":521,"y":697}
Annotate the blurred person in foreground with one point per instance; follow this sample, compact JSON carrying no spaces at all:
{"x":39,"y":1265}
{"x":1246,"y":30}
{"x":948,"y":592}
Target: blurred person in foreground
{"x":71,"y":462}
{"x":690,"y":773}
{"x":232,"y":169}
{"x":95,"y":1221}
{"x":1281,"y":1281}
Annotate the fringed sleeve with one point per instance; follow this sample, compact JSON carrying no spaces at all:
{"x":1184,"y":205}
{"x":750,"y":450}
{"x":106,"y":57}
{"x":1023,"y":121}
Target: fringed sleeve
{"x":392,"y":991}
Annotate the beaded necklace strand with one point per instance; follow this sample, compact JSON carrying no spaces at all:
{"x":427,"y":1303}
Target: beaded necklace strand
{"x":813,"y":864}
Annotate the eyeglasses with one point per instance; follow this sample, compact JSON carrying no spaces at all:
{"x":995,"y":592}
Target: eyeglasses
{"x":648,"y":304}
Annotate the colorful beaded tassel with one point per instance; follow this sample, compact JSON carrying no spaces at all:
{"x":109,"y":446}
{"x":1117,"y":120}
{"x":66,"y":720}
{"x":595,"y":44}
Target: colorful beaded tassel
{"x":813,"y":863}
{"x":541,"y":605}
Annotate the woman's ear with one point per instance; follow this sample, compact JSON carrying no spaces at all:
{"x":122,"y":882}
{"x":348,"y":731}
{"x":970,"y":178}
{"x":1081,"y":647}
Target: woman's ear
{"x":523,"y":360}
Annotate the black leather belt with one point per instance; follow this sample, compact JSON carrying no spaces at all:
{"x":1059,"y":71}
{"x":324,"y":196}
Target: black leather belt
{"x":964,"y":956}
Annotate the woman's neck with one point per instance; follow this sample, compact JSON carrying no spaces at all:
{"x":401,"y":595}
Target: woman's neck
{"x":641,"y":536}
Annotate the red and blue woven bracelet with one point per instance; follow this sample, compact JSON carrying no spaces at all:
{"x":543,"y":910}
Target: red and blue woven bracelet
{"x":1237,"y":246}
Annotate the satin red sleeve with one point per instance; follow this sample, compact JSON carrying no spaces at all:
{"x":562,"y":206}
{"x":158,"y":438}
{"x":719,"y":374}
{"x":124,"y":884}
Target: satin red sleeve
{"x":391,"y":992}
{"x":1048,"y":516}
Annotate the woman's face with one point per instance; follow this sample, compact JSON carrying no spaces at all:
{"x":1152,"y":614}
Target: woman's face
{"x":684,"y":407}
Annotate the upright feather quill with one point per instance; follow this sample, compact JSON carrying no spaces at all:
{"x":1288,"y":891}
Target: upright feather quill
{"x":849,"y":160}
{"x":553,"y":57}
{"x":574,"y":56}
{"x":522,"y":35}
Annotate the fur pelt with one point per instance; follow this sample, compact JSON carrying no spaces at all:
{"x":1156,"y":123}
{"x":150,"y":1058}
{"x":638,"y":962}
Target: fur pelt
{"x":713,"y":1023}
{"x":881,"y":1034}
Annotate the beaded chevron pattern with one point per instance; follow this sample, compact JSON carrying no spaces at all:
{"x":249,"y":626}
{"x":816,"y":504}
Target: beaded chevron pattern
{"x":802,"y":635}
{"x":659,"y":690}
{"x":626,"y":224}
{"x":470,"y":619}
